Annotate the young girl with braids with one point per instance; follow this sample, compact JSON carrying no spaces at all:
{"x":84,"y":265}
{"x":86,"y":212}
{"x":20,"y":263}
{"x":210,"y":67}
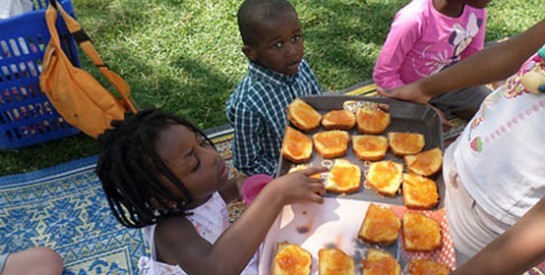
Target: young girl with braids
{"x":161,"y":173}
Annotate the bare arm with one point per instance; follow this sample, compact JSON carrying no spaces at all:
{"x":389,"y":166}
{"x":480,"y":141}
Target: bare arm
{"x":179,"y":243}
{"x":493,"y":63}
{"x":515,"y":251}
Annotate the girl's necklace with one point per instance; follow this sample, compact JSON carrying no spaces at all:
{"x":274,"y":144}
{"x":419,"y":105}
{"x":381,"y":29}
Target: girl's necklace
{"x":534,"y":80}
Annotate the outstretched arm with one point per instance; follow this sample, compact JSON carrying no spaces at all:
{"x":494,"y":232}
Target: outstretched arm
{"x":180,"y":243}
{"x":493,"y":63}
{"x":515,"y":251}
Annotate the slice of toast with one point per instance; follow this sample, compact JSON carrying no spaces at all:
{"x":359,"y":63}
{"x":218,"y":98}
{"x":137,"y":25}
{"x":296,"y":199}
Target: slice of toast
{"x":379,"y":262}
{"x":419,"y":192}
{"x":296,"y":146}
{"x":420,"y":232}
{"x":302,"y":167}
{"x":291,"y":259}
{"x":385,"y":177}
{"x":334,"y":261}
{"x":427,"y":266}
{"x":339,"y":120}
{"x":344,"y":177}
{"x":402,"y":144}
{"x":380,"y":225}
{"x":369,"y":147}
{"x":372,"y":120}
{"x":426,"y":163}
{"x":331,"y":144}
{"x":303,"y":116}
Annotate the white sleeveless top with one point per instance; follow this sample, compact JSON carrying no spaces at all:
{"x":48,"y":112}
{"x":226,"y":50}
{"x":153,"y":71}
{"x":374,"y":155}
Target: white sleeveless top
{"x":501,"y":153}
{"x":210,"y":220}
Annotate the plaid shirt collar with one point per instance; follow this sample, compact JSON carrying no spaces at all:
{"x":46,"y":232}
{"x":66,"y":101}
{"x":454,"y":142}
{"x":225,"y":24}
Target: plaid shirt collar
{"x":257,"y":71}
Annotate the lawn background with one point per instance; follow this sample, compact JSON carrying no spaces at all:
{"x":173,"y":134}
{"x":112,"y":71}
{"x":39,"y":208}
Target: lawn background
{"x":184,"y":55}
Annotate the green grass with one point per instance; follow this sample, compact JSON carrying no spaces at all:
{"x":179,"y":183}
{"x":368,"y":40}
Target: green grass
{"x":184,"y":55}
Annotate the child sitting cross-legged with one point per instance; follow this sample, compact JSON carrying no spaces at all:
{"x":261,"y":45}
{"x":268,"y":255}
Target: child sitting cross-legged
{"x":277,"y":74}
{"x":161,"y":173}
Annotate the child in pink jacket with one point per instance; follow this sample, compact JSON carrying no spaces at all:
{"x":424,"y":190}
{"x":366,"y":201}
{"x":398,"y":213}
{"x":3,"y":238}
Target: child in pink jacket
{"x":428,"y":36}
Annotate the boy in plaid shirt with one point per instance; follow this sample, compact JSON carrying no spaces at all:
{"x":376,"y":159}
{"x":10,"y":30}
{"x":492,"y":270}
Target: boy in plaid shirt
{"x":277,"y":74}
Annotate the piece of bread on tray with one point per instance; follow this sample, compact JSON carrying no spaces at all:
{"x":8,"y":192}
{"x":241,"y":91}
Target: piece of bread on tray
{"x":402,"y":144}
{"x":296,"y":146}
{"x":420,"y":232}
{"x":334,"y":261}
{"x":303,"y":116}
{"x":290,"y":259}
{"x":419,"y":192}
{"x":385,"y":177}
{"x":331,"y":144}
{"x":369,"y":147}
{"x":339,"y":120}
{"x":302,"y":167}
{"x":372,"y":120}
{"x":344,"y":177}
{"x":379,"y":262}
{"x":380,"y":225}
{"x":426,"y":163}
{"x":427,"y":267}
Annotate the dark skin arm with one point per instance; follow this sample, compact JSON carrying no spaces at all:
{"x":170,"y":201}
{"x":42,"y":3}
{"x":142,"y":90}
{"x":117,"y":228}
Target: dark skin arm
{"x":493,"y":63}
{"x":516,"y":250}
{"x":177,"y":242}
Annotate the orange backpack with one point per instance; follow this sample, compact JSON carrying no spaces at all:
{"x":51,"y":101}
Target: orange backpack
{"x":77,"y":95}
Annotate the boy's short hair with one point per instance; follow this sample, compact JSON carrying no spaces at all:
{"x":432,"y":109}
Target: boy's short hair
{"x":252,"y":12}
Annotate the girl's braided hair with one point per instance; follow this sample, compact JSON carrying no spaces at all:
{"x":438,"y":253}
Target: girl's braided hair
{"x":129,"y":168}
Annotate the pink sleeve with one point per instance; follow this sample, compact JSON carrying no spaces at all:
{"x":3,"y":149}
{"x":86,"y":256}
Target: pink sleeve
{"x":404,"y":33}
{"x":478,"y":42}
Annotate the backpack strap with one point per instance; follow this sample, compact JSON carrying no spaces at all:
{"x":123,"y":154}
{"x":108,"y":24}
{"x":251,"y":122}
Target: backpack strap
{"x":85,"y":44}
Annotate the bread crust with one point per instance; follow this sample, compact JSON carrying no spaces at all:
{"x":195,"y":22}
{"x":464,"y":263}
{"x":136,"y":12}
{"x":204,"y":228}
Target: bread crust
{"x":296,"y":146}
{"x":331,"y":144}
{"x":372,"y":120}
{"x":344,"y":177}
{"x":283,"y":262}
{"x":335,"y":261}
{"x":379,"y":262}
{"x":339,"y":120}
{"x":419,"y":192}
{"x":426,"y":163}
{"x":420,"y":232}
{"x":427,"y":266}
{"x":385,"y":177}
{"x":303,"y":116}
{"x":369,"y":147}
{"x":402,"y":143}
{"x":380,"y":226}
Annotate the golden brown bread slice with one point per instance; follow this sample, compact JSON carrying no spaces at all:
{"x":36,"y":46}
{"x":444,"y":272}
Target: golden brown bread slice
{"x":402,"y":144}
{"x":344,"y":177}
{"x":302,"y":167}
{"x":331,"y":144}
{"x":420,"y":232}
{"x":369,"y":147}
{"x":380,"y":225}
{"x":385,"y":177}
{"x":339,"y":120}
{"x":426,"y":163}
{"x":427,"y":267}
{"x":296,"y":146}
{"x":303,"y":116}
{"x":372,"y":120}
{"x":419,"y":192}
{"x":379,"y":262}
{"x":291,"y":259}
{"x":332,"y":261}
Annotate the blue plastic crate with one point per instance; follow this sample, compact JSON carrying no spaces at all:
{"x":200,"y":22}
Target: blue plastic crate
{"x":26,"y":115}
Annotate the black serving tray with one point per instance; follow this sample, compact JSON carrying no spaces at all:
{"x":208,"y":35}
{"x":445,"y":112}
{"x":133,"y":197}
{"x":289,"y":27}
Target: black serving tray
{"x":405,"y":117}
